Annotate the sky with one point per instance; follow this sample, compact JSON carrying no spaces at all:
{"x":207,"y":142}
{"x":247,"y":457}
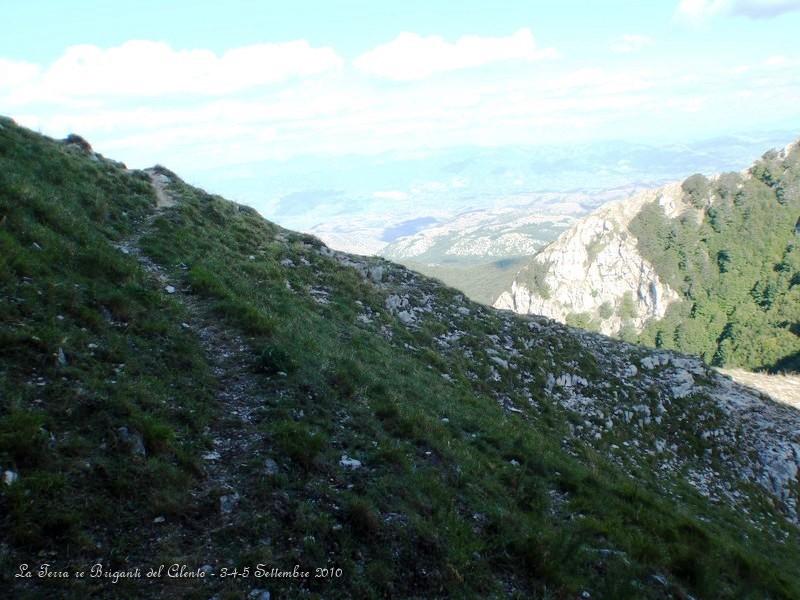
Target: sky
{"x":196,"y":84}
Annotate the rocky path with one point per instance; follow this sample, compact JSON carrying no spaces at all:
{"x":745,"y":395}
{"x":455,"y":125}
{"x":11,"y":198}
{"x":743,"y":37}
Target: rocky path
{"x":239,"y":393}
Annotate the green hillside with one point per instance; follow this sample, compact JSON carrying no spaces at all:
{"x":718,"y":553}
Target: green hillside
{"x":735,"y":259}
{"x":480,"y":280}
{"x":192,"y":384}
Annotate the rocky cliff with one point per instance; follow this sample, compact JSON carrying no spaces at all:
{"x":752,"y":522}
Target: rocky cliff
{"x":595,"y":272}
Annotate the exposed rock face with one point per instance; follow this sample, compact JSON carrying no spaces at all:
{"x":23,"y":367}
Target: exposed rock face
{"x":78,"y":143}
{"x":595,"y":269}
{"x":738,"y":435}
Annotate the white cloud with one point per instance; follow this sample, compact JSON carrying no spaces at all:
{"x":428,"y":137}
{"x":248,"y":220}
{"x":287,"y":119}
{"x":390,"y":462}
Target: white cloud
{"x":411,"y":56}
{"x":763,"y":9}
{"x":347,"y":113}
{"x":390,"y":195}
{"x":631,"y":43}
{"x":777,"y":61}
{"x":700,"y":10}
{"x":140,"y":68}
{"x":342,"y":115}
{"x":15,"y":73}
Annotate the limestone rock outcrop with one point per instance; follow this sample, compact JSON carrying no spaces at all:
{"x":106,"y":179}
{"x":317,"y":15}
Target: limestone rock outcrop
{"x":594,"y":271}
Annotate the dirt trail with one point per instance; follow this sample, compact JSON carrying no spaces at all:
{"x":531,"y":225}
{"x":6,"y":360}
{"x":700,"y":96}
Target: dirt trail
{"x":159,"y":180}
{"x":783,"y":388}
{"x":239,"y":393}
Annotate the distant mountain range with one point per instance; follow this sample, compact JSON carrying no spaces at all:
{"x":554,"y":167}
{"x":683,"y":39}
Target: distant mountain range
{"x":366,"y":204}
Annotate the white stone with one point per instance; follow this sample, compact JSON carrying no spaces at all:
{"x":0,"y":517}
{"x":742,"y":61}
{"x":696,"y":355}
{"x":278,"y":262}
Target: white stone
{"x":228,"y":502}
{"x":499,"y":361}
{"x":271,"y":467}
{"x":10,"y":477}
{"x":349,"y":463}
{"x":406,"y":317}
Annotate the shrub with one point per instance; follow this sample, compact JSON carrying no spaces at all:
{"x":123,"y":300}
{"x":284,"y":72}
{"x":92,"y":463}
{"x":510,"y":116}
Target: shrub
{"x":606,"y":310}
{"x":362,"y":518}
{"x":204,"y":282}
{"x":695,"y":189}
{"x":298,"y":442}
{"x":22,"y":437}
{"x":273,"y":359}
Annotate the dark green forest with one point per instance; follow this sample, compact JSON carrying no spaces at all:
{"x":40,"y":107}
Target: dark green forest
{"x":734,"y":256}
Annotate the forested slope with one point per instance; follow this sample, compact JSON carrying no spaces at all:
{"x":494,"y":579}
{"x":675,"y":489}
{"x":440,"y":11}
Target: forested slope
{"x":735,"y":258}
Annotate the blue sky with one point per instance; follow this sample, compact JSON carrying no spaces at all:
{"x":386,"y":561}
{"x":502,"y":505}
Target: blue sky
{"x":201,"y":84}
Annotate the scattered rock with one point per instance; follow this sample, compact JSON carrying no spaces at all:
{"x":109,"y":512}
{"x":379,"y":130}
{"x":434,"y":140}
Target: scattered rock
{"x":10,"y":477}
{"x":320,"y":295}
{"x":406,"y":317}
{"x":499,"y":361}
{"x":169,"y":289}
{"x":349,"y":463}
{"x":133,"y":440}
{"x":159,"y":520}
{"x":228,"y":503}
{"x":271,"y":467}
{"x":258,"y":594}
{"x":394,"y":302}
{"x":683,"y":383}
{"x":76,"y":142}
{"x":660,"y":579}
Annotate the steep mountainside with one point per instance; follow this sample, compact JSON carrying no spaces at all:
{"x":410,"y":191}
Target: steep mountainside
{"x":709,"y":267}
{"x":183,"y":382}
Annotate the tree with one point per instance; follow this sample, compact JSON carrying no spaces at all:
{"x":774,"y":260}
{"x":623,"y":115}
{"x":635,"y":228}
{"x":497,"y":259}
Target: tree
{"x":695,"y":190}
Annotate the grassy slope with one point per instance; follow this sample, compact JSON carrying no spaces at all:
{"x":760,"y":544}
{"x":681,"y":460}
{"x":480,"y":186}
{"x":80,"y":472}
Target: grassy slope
{"x":438,"y":507}
{"x":126,"y":361}
{"x":481,"y":282}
